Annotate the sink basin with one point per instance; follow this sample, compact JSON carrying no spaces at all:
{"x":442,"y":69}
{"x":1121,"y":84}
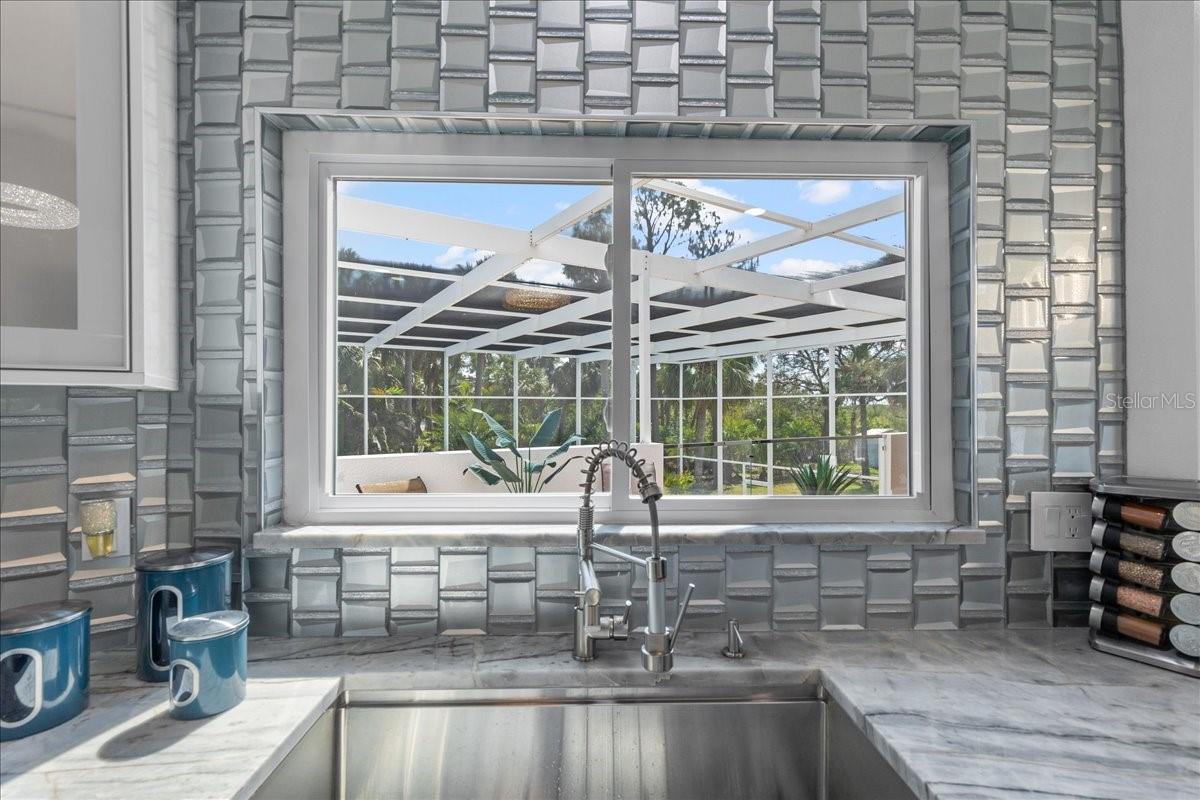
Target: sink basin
{"x":585,"y":743}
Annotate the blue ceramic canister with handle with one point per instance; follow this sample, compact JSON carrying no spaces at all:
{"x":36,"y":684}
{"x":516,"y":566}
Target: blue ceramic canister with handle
{"x":174,"y":584}
{"x":208,"y":663}
{"x":44,"y":650}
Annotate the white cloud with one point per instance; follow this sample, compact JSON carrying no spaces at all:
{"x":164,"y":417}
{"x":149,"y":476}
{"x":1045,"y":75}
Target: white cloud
{"x":888,"y":186}
{"x":824,"y":192}
{"x":802,"y":267}
{"x":457,"y":254}
{"x":561,"y":205}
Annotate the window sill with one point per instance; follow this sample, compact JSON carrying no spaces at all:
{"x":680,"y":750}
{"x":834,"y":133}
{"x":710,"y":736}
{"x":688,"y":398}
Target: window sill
{"x":371,"y":536}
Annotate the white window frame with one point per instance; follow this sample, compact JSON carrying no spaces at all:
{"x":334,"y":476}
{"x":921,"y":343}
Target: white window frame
{"x":313,"y":161}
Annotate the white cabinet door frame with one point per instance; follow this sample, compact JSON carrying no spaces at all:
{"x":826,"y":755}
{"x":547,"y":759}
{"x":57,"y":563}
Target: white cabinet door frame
{"x":127,"y":334}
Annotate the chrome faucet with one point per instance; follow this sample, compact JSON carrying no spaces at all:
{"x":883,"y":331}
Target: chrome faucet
{"x":658,"y":647}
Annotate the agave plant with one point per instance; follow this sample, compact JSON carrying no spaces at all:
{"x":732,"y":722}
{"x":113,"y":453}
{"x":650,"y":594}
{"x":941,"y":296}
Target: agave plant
{"x":824,"y":477}
{"x":525,"y":476}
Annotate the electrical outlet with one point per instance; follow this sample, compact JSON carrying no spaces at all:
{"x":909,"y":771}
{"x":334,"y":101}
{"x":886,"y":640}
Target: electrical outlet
{"x":1060,"y":521}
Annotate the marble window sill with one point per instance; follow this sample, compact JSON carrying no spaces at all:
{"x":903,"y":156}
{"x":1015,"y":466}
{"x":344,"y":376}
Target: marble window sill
{"x":366,"y":536}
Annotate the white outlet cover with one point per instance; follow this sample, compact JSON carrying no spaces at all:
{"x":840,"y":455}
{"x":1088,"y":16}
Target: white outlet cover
{"x":1060,"y":521}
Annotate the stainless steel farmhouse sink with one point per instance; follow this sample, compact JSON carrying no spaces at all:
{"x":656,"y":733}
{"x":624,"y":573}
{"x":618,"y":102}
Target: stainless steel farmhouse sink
{"x":661,"y":742}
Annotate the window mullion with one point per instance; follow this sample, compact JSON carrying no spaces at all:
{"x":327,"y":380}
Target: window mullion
{"x":366,"y":392}
{"x":621,"y":255}
{"x":770,"y":424}
{"x":679,"y":413}
{"x":720,"y":393}
{"x":831,"y":404}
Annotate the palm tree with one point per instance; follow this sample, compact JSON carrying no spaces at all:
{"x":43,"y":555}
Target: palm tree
{"x":867,"y":368}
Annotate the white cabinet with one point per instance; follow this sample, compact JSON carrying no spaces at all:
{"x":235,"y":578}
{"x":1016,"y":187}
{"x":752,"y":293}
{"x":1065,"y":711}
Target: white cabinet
{"x":88,"y":223}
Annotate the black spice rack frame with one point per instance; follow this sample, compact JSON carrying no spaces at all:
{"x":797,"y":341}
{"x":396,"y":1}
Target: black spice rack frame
{"x":1145,"y":489}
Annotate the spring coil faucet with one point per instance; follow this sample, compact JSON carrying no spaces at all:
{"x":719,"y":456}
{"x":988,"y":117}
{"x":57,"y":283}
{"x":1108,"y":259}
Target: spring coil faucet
{"x":658,"y":647}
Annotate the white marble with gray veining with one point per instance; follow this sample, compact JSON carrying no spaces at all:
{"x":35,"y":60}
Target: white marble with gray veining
{"x":367,"y":536}
{"x":958,"y":714}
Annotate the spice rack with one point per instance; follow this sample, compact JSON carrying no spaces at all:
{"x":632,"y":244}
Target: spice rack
{"x":1149,"y":490}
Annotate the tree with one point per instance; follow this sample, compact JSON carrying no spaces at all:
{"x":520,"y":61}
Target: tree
{"x":595,"y":227}
{"x":865,"y":369}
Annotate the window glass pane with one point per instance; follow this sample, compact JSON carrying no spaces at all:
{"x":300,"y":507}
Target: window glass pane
{"x":595,"y":379}
{"x":546,"y":377}
{"x":469,"y":295}
{"x":700,"y":379}
{"x":594,"y":425}
{"x":801,"y":426}
{"x":871,"y":367}
{"x":696,"y":471}
{"x":350,"y":426}
{"x":743,"y":419}
{"x":744,"y":377}
{"x":404,"y":372}
{"x":534,"y":412}
{"x":664,"y":380}
{"x":700,"y":421}
{"x":404,"y":425}
{"x":350,"y":370}
{"x":464,"y":418}
{"x":801,"y":372}
{"x":481,"y":374}
{"x":665,"y":421}
{"x":869,"y":428}
{"x":781,"y":276}
{"x":744,"y":469}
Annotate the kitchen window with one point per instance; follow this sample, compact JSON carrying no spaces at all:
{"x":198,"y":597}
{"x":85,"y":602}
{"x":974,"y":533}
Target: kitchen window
{"x":480,"y":311}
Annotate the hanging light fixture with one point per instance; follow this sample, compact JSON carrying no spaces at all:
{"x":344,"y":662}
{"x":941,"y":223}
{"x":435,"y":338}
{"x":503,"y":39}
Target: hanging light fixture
{"x":24,"y":207}
{"x":533,"y":301}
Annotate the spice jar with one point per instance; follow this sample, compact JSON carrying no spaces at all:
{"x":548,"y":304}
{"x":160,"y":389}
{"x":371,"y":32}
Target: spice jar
{"x":1171,"y":608}
{"x":1156,"y":547}
{"x":1181,"y":577}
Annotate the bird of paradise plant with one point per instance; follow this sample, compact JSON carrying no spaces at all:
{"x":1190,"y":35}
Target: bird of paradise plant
{"x":525,"y":476}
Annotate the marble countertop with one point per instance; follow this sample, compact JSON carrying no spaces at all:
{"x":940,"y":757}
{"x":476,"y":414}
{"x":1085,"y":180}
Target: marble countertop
{"x":318,"y":536}
{"x":958,"y":714}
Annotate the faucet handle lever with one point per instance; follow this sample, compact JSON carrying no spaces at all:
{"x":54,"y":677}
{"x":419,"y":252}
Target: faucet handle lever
{"x":628,"y":613}
{"x":687,"y":598}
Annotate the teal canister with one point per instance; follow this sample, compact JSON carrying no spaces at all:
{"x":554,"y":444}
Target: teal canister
{"x":44,"y":650}
{"x":175,"y":584}
{"x":208,"y":663}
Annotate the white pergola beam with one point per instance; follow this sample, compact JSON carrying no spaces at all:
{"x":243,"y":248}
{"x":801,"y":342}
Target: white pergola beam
{"x":382,"y":219}
{"x":512,"y":247}
{"x":794,"y":291}
{"x":742,"y":307}
{"x":571,"y":214}
{"x":701,"y":196}
{"x":887,"y":307}
{"x":381,"y":301}
{"x":491,"y":269}
{"x":891,"y":330}
{"x":896,"y":269}
{"x":669,"y":272}
{"x":779,"y":328}
{"x":454,"y":277}
{"x":839,"y":222}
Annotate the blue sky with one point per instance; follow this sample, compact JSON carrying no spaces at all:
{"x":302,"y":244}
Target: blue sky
{"x":526,"y":205}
